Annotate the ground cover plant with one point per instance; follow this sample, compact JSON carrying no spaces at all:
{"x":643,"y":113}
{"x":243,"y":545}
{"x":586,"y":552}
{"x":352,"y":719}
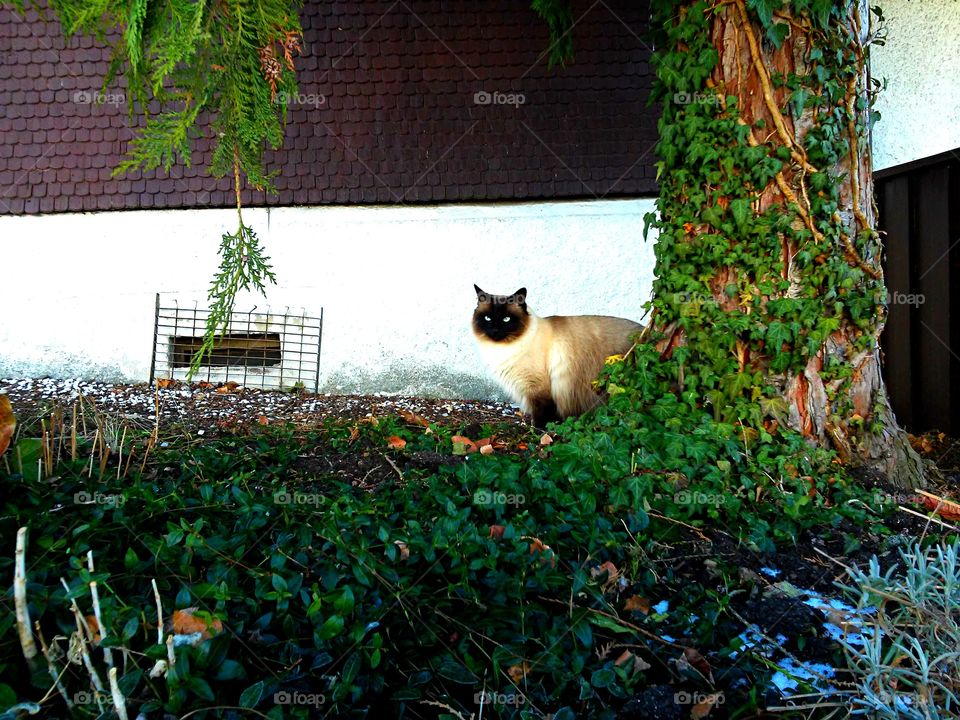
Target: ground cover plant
{"x":591,"y":572}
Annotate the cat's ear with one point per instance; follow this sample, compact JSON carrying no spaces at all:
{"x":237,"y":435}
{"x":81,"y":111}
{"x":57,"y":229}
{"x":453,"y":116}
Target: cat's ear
{"x":520,"y":297}
{"x":479,"y":291}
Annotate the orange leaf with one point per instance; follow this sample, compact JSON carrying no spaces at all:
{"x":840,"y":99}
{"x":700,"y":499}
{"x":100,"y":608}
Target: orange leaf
{"x":947,"y":509}
{"x":624,"y":657}
{"x":468,"y":444}
{"x":608,"y":569}
{"x":396,"y":443}
{"x":94,"y":627}
{"x":8,"y":422}
{"x":263,"y":420}
{"x":185,"y":622}
{"x":698,"y":662}
{"x":546,"y":439}
{"x":521,"y":446}
{"x":165,"y":382}
{"x":703,"y":708}
{"x":486,"y":449}
{"x":496,"y":531}
{"x":519,"y":672}
{"x":538,"y":546}
{"x":637,"y":603}
{"x":413,"y":418}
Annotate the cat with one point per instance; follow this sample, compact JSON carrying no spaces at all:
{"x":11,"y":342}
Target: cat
{"x":547,"y":364}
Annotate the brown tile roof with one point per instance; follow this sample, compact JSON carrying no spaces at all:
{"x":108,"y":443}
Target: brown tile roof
{"x":388,"y":112}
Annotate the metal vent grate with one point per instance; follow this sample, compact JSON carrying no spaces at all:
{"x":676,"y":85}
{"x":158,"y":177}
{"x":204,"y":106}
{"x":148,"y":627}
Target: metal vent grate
{"x":264,"y":349}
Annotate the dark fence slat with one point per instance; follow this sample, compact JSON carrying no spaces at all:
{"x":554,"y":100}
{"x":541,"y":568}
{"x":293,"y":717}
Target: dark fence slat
{"x":894,"y":202}
{"x":919,"y":206}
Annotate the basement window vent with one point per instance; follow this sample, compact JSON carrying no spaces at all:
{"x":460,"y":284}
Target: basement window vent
{"x":241,"y":350}
{"x":266,"y":349}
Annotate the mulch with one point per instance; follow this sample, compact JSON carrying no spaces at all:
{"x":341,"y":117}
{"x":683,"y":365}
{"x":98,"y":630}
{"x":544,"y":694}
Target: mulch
{"x":208,"y":409}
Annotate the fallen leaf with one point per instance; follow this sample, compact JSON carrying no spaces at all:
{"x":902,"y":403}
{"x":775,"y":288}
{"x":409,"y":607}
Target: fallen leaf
{"x":203,"y":384}
{"x":94,"y":627}
{"x":538,"y":546}
{"x":413,"y":418}
{"x":637,"y":663}
{"x":354,"y":433}
{"x":521,"y":446}
{"x":545,"y":439}
{"x":166,"y":382}
{"x":396,"y":443}
{"x":466,"y":445}
{"x":8,"y":422}
{"x":486,"y":449}
{"x":519,"y":672}
{"x":608,"y":567}
{"x":703,"y":708}
{"x":496,"y":531}
{"x":188,"y":622}
{"x":692,"y":658}
{"x":638,"y":604}
{"x":403,"y":548}
{"x":947,"y":509}
{"x":624,"y":657}
{"x":263,"y":420}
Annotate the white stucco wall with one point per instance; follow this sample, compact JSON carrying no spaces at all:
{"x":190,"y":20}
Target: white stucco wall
{"x":396,"y":284}
{"x":920,"y":108}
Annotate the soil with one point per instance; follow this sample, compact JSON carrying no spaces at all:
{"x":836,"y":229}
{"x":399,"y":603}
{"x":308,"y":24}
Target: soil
{"x":212,"y":409}
{"x":815,"y":563}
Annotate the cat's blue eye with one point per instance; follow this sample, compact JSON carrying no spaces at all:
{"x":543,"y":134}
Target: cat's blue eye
{"x":507,"y":319}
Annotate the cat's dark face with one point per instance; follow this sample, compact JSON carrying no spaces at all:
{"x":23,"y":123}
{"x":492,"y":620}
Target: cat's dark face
{"x":500,"y":318}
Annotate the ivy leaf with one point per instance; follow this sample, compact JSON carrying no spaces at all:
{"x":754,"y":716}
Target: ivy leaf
{"x":456,"y":671}
{"x":742,"y":212}
{"x":250,"y":697}
{"x":777,"y":33}
{"x":764,"y":10}
{"x":777,"y":334}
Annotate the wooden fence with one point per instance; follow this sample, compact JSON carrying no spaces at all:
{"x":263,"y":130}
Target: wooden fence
{"x":919,"y":205}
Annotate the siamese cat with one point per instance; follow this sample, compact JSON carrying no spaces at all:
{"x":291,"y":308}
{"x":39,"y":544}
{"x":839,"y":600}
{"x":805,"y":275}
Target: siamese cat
{"x":547,"y":364}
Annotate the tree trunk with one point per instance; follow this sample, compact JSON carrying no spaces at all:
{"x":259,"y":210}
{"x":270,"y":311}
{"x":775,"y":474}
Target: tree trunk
{"x":768,"y":262}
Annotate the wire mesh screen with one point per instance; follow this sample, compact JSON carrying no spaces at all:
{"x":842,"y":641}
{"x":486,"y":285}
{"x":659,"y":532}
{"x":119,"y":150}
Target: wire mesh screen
{"x":264,"y":349}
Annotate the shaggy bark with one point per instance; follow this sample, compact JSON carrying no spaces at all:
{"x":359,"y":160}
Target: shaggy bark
{"x":853,"y":414}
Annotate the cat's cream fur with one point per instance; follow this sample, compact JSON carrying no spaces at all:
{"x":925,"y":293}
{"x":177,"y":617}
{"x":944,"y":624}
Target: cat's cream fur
{"x":548,"y":364}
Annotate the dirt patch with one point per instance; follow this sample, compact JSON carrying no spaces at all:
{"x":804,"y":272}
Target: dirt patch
{"x":210,"y":408}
